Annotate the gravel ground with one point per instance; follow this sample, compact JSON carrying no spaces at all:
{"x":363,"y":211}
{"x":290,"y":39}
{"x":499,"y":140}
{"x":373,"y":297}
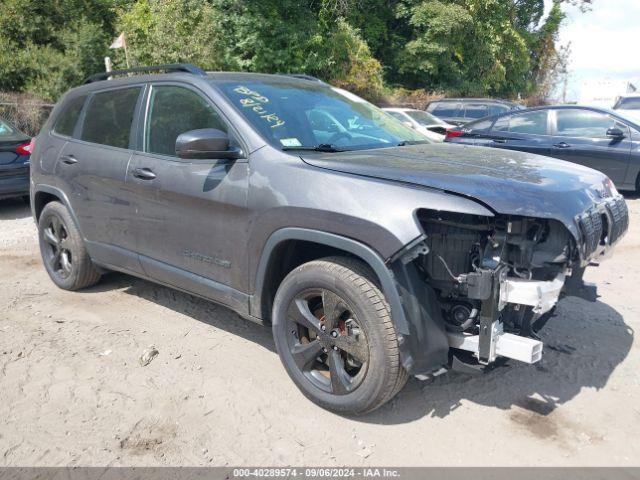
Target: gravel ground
{"x":72,"y":390}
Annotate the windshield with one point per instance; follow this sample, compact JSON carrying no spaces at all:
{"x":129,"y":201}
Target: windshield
{"x":424,"y":118}
{"x":299,"y":115}
{"x":629,"y":103}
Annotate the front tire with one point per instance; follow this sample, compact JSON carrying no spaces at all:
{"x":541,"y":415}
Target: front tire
{"x":63,"y":252}
{"x":334,"y":334}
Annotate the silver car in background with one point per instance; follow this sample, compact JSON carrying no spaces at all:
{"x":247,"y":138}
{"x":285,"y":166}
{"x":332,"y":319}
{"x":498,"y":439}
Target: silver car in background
{"x":430,"y":126}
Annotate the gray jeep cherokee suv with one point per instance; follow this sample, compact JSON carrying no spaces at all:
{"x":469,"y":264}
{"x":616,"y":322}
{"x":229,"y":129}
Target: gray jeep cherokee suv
{"x":372,"y":253}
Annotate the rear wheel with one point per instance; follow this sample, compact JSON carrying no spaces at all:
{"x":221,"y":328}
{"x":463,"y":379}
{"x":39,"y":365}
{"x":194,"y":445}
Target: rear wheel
{"x":334,"y":334}
{"x":62,"y":248}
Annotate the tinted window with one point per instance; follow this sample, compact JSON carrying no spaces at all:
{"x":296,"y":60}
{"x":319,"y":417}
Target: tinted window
{"x":628,"y":103}
{"x":424,"y":118}
{"x":533,"y":123}
{"x":497,"y":109}
{"x":398,"y":115}
{"x":6,"y":130}
{"x":109,"y":117}
{"x":585,"y":123}
{"x":476,"y":111}
{"x":480,"y":125}
{"x":67,"y":120}
{"x":175,"y":110}
{"x":446,"y":109}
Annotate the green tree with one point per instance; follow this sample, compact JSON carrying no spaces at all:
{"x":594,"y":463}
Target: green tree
{"x":45,"y":47}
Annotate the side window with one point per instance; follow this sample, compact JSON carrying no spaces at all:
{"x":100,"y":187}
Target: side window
{"x":109,"y":117}
{"x":480,"y":125}
{"x":67,"y":120}
{"x":476,"y":111}
{"x":397,"y":116}
{"x":497,"y":109}
{"x":174,"y":110}
{"x":585,"y":123}
{"x":532,"y":123}
{"x":447,"y":109}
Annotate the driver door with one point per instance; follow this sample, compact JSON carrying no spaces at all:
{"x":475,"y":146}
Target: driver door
{"x":192,"y":214}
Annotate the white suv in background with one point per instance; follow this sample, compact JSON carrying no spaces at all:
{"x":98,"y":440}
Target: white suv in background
{"x":629,"y":106}
{"x":425,"y":123}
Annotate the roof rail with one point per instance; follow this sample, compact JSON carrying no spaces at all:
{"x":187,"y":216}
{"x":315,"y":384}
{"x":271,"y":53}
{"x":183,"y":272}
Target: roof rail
{"x":171,"y":67}
{"x":303,"y":76}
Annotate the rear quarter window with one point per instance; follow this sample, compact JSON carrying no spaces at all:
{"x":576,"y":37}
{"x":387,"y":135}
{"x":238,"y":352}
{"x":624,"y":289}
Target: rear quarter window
{"x":68,"y":119}
{"x":109,"y":117}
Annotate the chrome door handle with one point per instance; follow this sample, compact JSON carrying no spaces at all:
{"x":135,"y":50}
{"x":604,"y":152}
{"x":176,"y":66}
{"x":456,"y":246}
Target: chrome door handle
{"x":143,"y":173}
{"x":69,"y":159}
{"x":562,"y":145}
{"x":499,"y":140}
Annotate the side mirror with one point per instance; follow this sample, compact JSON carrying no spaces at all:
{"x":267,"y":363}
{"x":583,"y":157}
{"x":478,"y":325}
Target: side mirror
{"x":615,"y":133}
{"x":205,"y":144}
{"x":408,"y":124}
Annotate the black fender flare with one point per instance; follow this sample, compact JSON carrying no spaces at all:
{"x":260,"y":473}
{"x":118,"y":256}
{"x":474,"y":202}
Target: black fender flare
{"x":414,"y":311}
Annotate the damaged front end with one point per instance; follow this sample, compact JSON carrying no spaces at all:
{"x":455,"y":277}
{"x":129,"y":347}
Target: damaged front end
{"x":495,"y":280}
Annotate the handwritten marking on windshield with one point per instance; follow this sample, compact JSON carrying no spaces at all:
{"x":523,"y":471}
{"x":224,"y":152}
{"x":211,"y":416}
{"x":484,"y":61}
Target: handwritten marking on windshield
{"x":255,"y":101}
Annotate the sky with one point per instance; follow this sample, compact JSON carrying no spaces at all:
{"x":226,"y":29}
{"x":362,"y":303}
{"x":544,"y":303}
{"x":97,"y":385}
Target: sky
{"x":604,"y":42}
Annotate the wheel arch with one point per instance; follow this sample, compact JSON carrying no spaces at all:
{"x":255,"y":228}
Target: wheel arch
{"x":415,"y":311}
{"x":44,"y":194}
{"x":284,"y":251}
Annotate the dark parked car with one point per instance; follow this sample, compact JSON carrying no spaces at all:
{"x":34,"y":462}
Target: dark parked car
{"x":591,"y":136}
{"x":15,"y":150}
{"x":373,"y":253}
{"x":459,"y":111}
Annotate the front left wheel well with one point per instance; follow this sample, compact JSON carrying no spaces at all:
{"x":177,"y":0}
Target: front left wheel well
{"x":287,"y":256}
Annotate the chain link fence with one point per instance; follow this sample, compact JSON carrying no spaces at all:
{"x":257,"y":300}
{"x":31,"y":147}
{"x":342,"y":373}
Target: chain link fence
{"x":27,"y":112}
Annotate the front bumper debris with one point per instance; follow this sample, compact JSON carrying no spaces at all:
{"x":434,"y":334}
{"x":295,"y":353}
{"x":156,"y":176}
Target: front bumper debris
{"x":542,"y":296}
{"x":492,"y":341}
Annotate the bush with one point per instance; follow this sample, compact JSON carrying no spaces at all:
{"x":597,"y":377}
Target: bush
{"x":26,"y":111}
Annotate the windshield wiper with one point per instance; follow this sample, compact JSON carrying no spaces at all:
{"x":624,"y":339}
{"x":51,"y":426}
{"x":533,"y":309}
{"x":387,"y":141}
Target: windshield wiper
{"x":404,"y":143}
{"x":322,"y":147}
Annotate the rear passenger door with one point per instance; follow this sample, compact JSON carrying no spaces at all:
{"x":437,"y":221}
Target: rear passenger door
{"x":191,"y":224}
{"x":525,"y":132}
{"x":581,"y":137}
{"x":92,"y":167}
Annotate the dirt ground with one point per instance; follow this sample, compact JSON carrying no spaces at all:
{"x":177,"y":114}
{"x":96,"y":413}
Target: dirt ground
{"x":72,"y":391}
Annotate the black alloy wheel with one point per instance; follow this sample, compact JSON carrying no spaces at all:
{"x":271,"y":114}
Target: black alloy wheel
{"x":326,"y":341}
{"x":57,"y":253}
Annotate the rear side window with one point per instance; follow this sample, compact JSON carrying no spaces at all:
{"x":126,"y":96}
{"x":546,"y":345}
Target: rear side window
{"x":532,"y":123}
{"x":67,"y":120}
{"x":476,"y":111}
{"x":446,"y":109}
{"x":6,"y":130}
{"x":175,"y":110}
{"x":480,"y":125}
{"x":109,"y":117}
{"x":497,"y":109}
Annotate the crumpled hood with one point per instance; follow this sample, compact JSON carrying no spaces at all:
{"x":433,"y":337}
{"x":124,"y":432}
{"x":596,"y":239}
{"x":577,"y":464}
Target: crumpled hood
{"x":509,"y":182}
